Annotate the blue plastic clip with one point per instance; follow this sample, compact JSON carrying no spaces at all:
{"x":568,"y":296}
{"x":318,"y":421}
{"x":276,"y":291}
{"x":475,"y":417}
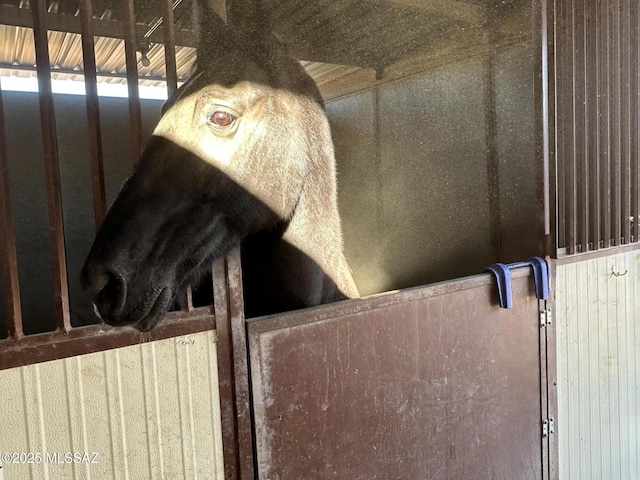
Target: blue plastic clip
{"x":502,"y":273}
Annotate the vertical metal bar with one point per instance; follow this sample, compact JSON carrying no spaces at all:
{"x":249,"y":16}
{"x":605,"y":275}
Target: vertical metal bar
{"x":233,"y":367}
{"x":561,"y":121}
{"x":188,"y":300}
{"x":8,"y":255}
{"x":546,"y":114}
{"x":168,"y":26}
{"x":543,"y":22}
{"x":605,"y":124}
{"x":226,"y":378}
{"x":592,"y":131}
{"x":240,"y":364}
{"x":130,"y":47}
{"x":616,"y":130}
{"x":52,"y":170}
{"x":634,"y":105}
{"x":625,"y":118}
{"x":570,"y":142}
{"x":544,"y":395}
{"x":93,"y":113}
{"x":579,"y":126}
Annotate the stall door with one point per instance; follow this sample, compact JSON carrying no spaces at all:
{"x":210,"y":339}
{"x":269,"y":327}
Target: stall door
{"x":428,"y":383}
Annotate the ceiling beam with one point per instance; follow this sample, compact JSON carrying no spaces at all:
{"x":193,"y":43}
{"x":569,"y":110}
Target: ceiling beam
{"x":61,"y":22}
{"x":453,"y":9}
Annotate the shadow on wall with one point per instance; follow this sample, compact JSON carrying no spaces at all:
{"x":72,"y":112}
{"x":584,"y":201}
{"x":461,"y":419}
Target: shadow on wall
{"x":412,"y":157}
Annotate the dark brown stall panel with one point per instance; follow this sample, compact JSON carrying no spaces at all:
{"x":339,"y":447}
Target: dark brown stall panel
{"x":432,"y":382}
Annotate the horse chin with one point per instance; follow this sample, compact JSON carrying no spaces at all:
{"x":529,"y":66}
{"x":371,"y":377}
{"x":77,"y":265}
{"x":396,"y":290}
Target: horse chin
{"x":157,"y":311}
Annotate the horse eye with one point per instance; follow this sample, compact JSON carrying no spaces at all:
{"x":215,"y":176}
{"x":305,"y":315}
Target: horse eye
{"x":222,"y":119}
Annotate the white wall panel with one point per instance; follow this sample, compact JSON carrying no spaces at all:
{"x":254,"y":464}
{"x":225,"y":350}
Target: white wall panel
{"x":598,"y":312}
{"x":150,"y":411}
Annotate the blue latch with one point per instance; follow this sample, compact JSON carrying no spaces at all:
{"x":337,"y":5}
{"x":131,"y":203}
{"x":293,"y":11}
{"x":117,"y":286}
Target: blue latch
{"x":502,"y":273}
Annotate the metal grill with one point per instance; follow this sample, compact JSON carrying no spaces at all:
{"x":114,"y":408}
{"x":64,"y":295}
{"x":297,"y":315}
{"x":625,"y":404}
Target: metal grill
{"x":596,"y":124}
{"x":19,"y":349}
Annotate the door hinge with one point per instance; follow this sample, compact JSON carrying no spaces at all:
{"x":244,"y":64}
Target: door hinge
{"x":545,"y":318}
{"x":548,"y":427}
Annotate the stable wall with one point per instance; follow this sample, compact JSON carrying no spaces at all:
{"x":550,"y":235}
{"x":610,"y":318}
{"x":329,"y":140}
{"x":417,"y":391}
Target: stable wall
{"x":436,"y":171}
{"x":598,"y":335}
{"x":149,"y":411}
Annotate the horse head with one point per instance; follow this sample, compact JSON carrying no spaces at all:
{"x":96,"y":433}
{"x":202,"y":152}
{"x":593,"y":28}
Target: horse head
{"x":242,"y":153}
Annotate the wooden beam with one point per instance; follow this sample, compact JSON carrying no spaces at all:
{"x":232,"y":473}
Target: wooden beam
{"x":455,"y":10}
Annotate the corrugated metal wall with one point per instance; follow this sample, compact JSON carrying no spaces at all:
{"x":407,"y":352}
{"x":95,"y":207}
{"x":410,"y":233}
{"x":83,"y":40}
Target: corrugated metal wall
{"x":598,"y":321}
{"x":149,"y":411}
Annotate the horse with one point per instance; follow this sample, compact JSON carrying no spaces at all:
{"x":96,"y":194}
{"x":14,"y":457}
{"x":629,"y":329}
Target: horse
{"x":242,"y":154}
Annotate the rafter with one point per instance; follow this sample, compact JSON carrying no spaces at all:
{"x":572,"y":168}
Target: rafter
{"x":61,"y":22}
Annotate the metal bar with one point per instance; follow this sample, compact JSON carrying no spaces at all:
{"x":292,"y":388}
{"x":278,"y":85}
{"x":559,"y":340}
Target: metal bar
{"x":52,"y":170}
{"x":551,"y":362}
{"x":130,"y":46}
{"x":544,"y":403}
{"x":240,"y":364}
{"x":580,"y":123}
{"x":188,"y":300}
{"x":605,"y":124}
{"x":591,"y":132}
{"x":96,"y":338}
{"x":561,"y":122}
{"x":226,"y":379}
{"x":634,"y":153}
{"x":616,"y":126}
{"x":93,"y":114}
{"x":545,"y":122}
{"x":625,"y":114}
{"x":8,"y":255}
{"x":569,"y":150}
{"x":233,"y":368}
{"x":61,"y":22}
{"x":168,"y":27}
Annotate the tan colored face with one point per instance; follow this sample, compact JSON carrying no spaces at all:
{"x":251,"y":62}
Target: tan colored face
{"x":249,"y":132}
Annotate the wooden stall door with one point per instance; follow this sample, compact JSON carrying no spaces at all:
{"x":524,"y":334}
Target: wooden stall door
{"x":433,"y":382}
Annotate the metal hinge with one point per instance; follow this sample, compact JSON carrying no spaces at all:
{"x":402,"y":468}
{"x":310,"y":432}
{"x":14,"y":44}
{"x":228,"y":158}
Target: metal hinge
{"x":548,"y":428}
{"x":545,"y":318}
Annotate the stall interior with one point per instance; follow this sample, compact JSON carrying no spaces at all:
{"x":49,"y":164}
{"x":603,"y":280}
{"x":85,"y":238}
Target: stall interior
{"x":432,"y":110}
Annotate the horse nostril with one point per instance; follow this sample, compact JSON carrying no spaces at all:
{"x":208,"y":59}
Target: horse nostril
{"x":109,"y":300}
